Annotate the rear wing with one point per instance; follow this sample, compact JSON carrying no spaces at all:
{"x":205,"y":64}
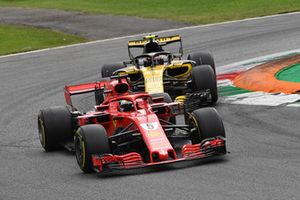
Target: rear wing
{"x":161,"y":41}
{"x":115,"y":85}
{"x":81,"y":89}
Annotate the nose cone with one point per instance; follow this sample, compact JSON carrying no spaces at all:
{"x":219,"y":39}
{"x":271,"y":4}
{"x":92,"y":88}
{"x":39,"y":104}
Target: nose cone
{"x":163,"y":154}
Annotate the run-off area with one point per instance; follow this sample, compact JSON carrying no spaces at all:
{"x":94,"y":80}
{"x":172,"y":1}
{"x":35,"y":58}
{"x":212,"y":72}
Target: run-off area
{"x":229,"y":93}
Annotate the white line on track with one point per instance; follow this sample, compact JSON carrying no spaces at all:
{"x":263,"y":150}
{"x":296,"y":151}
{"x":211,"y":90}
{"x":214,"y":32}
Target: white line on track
{"x":258,"y":98}
{"x":141,"y":34}
{"x":263,"y":99}
{"x":247,"y":64}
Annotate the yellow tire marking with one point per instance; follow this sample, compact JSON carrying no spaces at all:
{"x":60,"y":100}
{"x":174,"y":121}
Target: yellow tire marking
{"x":43,"y":142}
{"x":82,"y":144}
{"x":196,"y":124}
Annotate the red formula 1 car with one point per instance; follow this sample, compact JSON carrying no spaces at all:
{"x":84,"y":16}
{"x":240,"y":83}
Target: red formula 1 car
{"x":131,"y":130}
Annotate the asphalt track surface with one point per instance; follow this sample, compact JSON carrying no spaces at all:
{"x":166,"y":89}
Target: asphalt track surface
{"x":263,"y":141}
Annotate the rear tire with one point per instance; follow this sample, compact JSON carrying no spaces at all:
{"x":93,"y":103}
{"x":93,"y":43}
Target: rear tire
{"x":107,"y":70}
{"x":202,"y":59}
{"x":204,"y":78}
{"x":90,"y":139}
{"x":55,"y":127}
{"x":207,"y":122}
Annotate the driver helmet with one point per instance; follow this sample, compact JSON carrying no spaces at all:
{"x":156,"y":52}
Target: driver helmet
{"x":152,"y":46}
{"x":147,"y":62}
{"x":158,"y":60}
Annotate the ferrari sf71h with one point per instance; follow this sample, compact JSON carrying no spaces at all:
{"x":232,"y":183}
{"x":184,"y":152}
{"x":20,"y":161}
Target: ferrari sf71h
{"x":130,"y":130}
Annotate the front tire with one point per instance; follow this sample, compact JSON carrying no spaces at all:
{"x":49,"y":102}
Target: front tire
{"x":207,"y":123}
{"x":107,"y":70}
{"x":204,"y":78}
{"x":203,"y":59}
{"x":90,"y":139}
{"x":55,"y":127}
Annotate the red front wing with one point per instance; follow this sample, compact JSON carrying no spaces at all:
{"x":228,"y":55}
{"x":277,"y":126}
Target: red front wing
{"x":207,"y":148}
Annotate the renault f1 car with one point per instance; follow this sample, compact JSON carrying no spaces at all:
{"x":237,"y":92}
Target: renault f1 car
{"x":157,"y":70}
{"x":130,"y":130}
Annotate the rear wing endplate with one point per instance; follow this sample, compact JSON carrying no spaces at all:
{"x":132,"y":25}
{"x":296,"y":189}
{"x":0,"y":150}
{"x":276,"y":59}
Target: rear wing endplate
{"x":80,"y":89}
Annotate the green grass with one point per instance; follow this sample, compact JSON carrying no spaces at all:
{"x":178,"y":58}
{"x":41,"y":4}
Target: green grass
{"x":231,"y":90}
{"x":290,"y":73}
{"x":194,"y":11}
{"x":15,"y":39}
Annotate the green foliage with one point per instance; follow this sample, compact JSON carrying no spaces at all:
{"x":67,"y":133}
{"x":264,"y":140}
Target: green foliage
{"x":194,"y":11}
{"x":21,"y":38}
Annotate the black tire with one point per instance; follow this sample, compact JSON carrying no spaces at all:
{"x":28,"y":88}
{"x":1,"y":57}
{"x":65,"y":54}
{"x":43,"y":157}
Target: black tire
{"x":202,"y":59}
{"x":207,"y":122}
{"x":55,"y":127}
{"x":107,"y":70}
{"x":166,"y":96}
{"x":90,"y":139}
{"x":204,"y":78}
{"x":167,"y":99}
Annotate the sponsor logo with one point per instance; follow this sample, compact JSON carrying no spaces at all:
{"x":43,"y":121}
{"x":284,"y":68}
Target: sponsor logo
{"x":150,"y":126}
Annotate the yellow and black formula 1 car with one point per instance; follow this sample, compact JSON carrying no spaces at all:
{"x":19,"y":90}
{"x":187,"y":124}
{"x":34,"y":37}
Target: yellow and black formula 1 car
{"x":158,"y":71}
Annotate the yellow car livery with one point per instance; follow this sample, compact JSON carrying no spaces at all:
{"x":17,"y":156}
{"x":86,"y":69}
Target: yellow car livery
{"x":159,"y":71}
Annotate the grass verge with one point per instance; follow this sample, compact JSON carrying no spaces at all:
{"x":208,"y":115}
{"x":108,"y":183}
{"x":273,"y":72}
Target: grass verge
{"x":231,"y":90}
{"x":193,"y":11}
{"x":289,"y":74}
{"x":15,"y":39}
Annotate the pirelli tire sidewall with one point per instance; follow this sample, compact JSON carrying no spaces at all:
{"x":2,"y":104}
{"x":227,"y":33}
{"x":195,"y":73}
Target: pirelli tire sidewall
{"x":89,"y":140}
{"x":208,"y":124}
